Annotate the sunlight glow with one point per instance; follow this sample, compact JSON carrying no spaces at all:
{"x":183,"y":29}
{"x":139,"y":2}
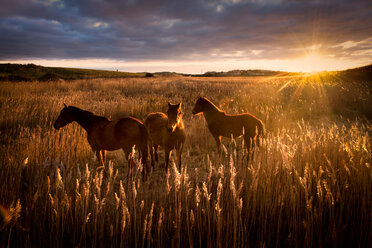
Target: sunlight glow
{"x":312,"y":62}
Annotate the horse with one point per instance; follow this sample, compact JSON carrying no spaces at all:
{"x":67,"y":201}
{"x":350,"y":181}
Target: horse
{"x":106,"y":135}
{"x":221,"y":124}
{"x":168,"y":132}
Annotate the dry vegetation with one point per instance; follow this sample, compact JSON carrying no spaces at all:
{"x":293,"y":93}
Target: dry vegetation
{"x":309,"y":185}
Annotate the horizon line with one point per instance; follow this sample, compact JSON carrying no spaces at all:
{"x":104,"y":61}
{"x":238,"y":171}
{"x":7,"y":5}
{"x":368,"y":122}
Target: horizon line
{"x":177,"y":72}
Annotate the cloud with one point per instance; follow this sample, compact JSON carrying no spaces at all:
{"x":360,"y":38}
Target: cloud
{"x":139,"y":30}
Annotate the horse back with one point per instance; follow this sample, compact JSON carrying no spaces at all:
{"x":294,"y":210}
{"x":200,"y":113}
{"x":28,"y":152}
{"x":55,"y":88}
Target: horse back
{"x":113,"y":135}
{"x":130,"y":128}
{"x":227,"y":125}
{"x":131,"y":131}
{"x":156,"y":119}
{"x":156,"y":123}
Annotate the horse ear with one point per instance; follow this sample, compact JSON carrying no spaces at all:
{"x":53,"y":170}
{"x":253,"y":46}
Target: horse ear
{"x":65,"y":105}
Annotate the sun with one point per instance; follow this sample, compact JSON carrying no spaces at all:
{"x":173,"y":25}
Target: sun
{"x":312,"y":62}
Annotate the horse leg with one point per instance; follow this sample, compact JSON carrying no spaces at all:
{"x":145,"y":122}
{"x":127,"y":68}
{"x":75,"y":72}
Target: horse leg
{"x":156,"y":153}
{"x":152,"y":155}
{"x":249,"y":145}
{"x":129,"y":156}
{"x":104,"y":152}
{"x":100,"y":160}
{"x":143,"y":150}
{"x":167,"y":153}
{"x":179,"y":155}
{"x":218,"y":142}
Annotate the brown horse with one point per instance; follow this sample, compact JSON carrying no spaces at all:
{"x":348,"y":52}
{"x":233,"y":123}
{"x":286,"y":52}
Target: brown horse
{"x":105,"y":135}
{"x":225,"y":125}
{"x":168,"y":132}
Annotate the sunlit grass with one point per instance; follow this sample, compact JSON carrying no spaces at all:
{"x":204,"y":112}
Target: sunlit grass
{"x":307,"y":186}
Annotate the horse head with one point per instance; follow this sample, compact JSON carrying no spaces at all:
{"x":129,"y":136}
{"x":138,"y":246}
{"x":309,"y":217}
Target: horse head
{"x":174,"y":116}
{"x":199,"y":106}
{"x":64,"y":118}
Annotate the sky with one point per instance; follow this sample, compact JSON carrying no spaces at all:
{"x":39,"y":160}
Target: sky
{"x":188,"y":36}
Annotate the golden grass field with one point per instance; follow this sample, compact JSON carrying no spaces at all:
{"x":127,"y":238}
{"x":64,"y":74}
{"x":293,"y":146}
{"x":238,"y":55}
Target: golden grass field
{"x":309,"y":184}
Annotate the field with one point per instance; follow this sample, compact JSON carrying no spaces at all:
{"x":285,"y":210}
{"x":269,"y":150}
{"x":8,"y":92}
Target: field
{"x":309,"y":184}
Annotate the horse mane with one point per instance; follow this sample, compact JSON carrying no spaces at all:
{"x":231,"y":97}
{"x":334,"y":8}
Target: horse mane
{"x":206,"y":100}
{"x":85,"y":113}
{"x":80,"y":111}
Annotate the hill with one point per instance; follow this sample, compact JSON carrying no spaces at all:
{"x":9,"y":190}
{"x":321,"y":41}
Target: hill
{"x":30,"y":72}
{"x":242,"y":73}
{"x":359,"y":73}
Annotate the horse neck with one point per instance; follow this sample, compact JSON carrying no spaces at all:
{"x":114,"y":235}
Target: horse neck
{"x":85,"y":119}
{"x":211,"y":112}
{"x":180,"y":125}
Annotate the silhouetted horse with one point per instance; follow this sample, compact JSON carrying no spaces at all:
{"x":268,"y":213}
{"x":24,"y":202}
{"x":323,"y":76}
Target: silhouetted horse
{"x":166,"y":131}
{"x":104,"y":134}
{"x":222,"y":124}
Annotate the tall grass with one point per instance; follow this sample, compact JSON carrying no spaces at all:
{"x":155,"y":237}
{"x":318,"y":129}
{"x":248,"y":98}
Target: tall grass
{"x":308,"y":185}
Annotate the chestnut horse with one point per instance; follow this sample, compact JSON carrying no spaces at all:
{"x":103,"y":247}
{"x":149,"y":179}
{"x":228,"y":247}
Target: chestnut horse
{"x":105,"y":135}
{"x":225,"y":125}
{"x":168,"y":132}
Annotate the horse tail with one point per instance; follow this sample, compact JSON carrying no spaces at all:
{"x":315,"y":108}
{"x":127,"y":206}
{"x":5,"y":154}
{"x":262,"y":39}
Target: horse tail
{"x":144,"y":143}
{"x":143,"y":149}
{"x":260,"y":131}
{"x":147,"y":127}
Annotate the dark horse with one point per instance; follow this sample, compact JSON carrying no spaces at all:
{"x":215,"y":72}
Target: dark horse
{"x":168,"y":132}
{"x":225,"y":125}
{"x":105,"y":135}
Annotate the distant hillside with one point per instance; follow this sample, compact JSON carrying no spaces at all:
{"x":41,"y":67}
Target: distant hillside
{"x":359,"y":73}
{"x":167,"y":74}
{"x":244,"y":73}
{"x":30,"y":72}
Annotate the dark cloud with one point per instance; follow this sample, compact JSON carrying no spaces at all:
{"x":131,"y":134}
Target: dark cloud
{"x":179,"y":29}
